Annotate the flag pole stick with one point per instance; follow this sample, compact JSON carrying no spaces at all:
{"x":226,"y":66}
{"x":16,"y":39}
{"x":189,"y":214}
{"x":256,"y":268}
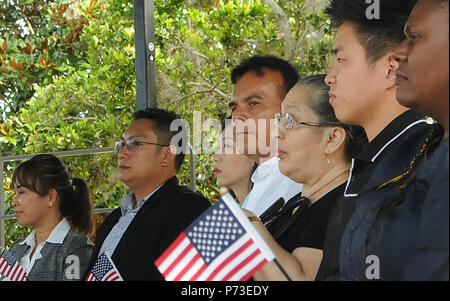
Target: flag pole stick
{"x":282,"y":270}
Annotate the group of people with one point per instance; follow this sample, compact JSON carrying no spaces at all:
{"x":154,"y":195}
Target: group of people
{"x":355,"y":187}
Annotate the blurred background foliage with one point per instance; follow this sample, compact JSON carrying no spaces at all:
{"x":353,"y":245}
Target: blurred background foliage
{"x":67,"y":74}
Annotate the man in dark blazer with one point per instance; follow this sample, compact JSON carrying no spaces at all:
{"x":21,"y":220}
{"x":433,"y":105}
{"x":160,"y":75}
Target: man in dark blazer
{"x":156,"y":211}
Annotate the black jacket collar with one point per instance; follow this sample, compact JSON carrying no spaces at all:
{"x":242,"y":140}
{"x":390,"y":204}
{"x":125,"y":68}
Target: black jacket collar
{"x":107,"y":226}
{"x":371,"y":151}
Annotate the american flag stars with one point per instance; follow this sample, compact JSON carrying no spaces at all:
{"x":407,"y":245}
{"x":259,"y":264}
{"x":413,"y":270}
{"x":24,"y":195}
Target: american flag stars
{"x":220,"y":245}
{"x":214,"y":233}
{"x":104,"y":270}
{"x":10,"y":268}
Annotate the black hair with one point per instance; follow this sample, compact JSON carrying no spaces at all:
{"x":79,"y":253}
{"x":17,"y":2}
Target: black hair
{"x":44,"y":172}
{"x":162,"y":119}
{"x":258,"y":63}
{"x":319,"y":103}
{"x":376,"y":36}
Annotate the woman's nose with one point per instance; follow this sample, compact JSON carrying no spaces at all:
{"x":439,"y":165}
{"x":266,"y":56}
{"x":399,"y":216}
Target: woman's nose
{"x":14,"y":201}
{"x":218,"y":157}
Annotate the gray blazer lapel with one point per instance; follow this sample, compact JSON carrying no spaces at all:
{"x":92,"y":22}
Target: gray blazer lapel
{"x":18,"y":250}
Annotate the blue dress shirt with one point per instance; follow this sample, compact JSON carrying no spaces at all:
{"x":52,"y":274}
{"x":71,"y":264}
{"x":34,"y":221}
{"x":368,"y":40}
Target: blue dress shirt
{"x":128,"y":214}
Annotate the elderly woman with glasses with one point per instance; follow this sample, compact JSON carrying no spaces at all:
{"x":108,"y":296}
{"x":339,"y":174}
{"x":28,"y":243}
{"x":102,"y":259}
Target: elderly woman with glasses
{"x":315,"y":149}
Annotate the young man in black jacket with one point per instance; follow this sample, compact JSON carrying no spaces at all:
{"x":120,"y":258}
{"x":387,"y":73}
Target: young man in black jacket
{"x":158,"y":209}
{"x":363,"y":92}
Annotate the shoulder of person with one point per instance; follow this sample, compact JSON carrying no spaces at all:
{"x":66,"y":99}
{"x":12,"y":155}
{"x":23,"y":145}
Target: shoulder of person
{"x":183,"y":203}
{"x":17,"y":243}
{"x":405,"y":148}
{"x":415,"y":137}
{"x":434,"y":172}
{"x":74,"y":241}
{"x":187,"y":196}
{"x":17,"y":249}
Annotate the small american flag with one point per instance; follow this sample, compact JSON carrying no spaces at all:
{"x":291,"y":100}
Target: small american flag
{"x":104,"y":270}
{"x":220,"y":245}
{"x":10,"y":268}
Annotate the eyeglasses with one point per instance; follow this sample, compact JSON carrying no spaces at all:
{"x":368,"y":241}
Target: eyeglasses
{"x":133,"y":144}
{"x":289,"y":123}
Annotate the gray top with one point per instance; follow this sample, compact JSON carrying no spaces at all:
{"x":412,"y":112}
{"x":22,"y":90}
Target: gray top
{"x":59,"y":262}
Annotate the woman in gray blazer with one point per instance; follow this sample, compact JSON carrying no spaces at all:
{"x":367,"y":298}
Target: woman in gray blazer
{"x":59,"y":209}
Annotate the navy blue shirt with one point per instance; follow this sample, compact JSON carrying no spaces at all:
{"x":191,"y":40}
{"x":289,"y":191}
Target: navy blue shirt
{"x":428,"y":258}
{"x":386,"y":156}
{"x":412,"y":241}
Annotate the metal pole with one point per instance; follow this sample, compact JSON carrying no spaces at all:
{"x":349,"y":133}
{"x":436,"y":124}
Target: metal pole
{"x":62,"y":154}
{"x":192,"y":169}
{"x":144,"y":38}
{"x":2,"y":207}
{"x":96,"y":211}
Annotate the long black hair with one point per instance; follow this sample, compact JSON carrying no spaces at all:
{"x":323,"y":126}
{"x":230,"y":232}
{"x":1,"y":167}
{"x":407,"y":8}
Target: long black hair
{"x":44,"y":172}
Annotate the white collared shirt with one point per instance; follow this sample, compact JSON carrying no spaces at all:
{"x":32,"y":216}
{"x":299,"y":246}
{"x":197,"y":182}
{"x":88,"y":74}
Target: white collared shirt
{"x":56,"y":237}
{"x":269,"y":184}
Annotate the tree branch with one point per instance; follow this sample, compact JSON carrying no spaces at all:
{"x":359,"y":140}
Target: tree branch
{"x":211,"y":88}
{"x":283,"y":21}
{"x":189,"y":48}
{"x":30,"y":27}
{"x":92,"y":103}
{"x":75,"y":118}
{"x":196,"y":93}
{"x":301,"y":41}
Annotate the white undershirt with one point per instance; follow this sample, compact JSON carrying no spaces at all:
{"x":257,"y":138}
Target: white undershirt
{"x":269,"y":185}
{"x":56,"y":237}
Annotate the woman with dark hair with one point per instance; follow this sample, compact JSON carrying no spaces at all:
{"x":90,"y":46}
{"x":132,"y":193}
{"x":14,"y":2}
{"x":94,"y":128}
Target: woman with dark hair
{"x":59,"y":209}
{"x":315,"y":149}
{"x":232,"y":169}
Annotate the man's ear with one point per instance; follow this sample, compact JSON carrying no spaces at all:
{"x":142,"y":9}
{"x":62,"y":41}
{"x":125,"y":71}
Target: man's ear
{"x":335,"y":138}
{"x":392,"y":65}
{"x":169,"y":154}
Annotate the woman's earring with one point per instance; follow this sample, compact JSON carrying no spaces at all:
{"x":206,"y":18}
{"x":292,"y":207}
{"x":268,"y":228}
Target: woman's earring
{"x":328,"y":161}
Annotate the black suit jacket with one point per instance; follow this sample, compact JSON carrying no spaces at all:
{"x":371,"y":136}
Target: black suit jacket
{"x":157,"y":224}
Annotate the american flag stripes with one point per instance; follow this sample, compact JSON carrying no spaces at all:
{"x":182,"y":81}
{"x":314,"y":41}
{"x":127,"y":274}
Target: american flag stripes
{"x":220,"y":245}
{"x":10,"y":268}
{"x":104,"y":270}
